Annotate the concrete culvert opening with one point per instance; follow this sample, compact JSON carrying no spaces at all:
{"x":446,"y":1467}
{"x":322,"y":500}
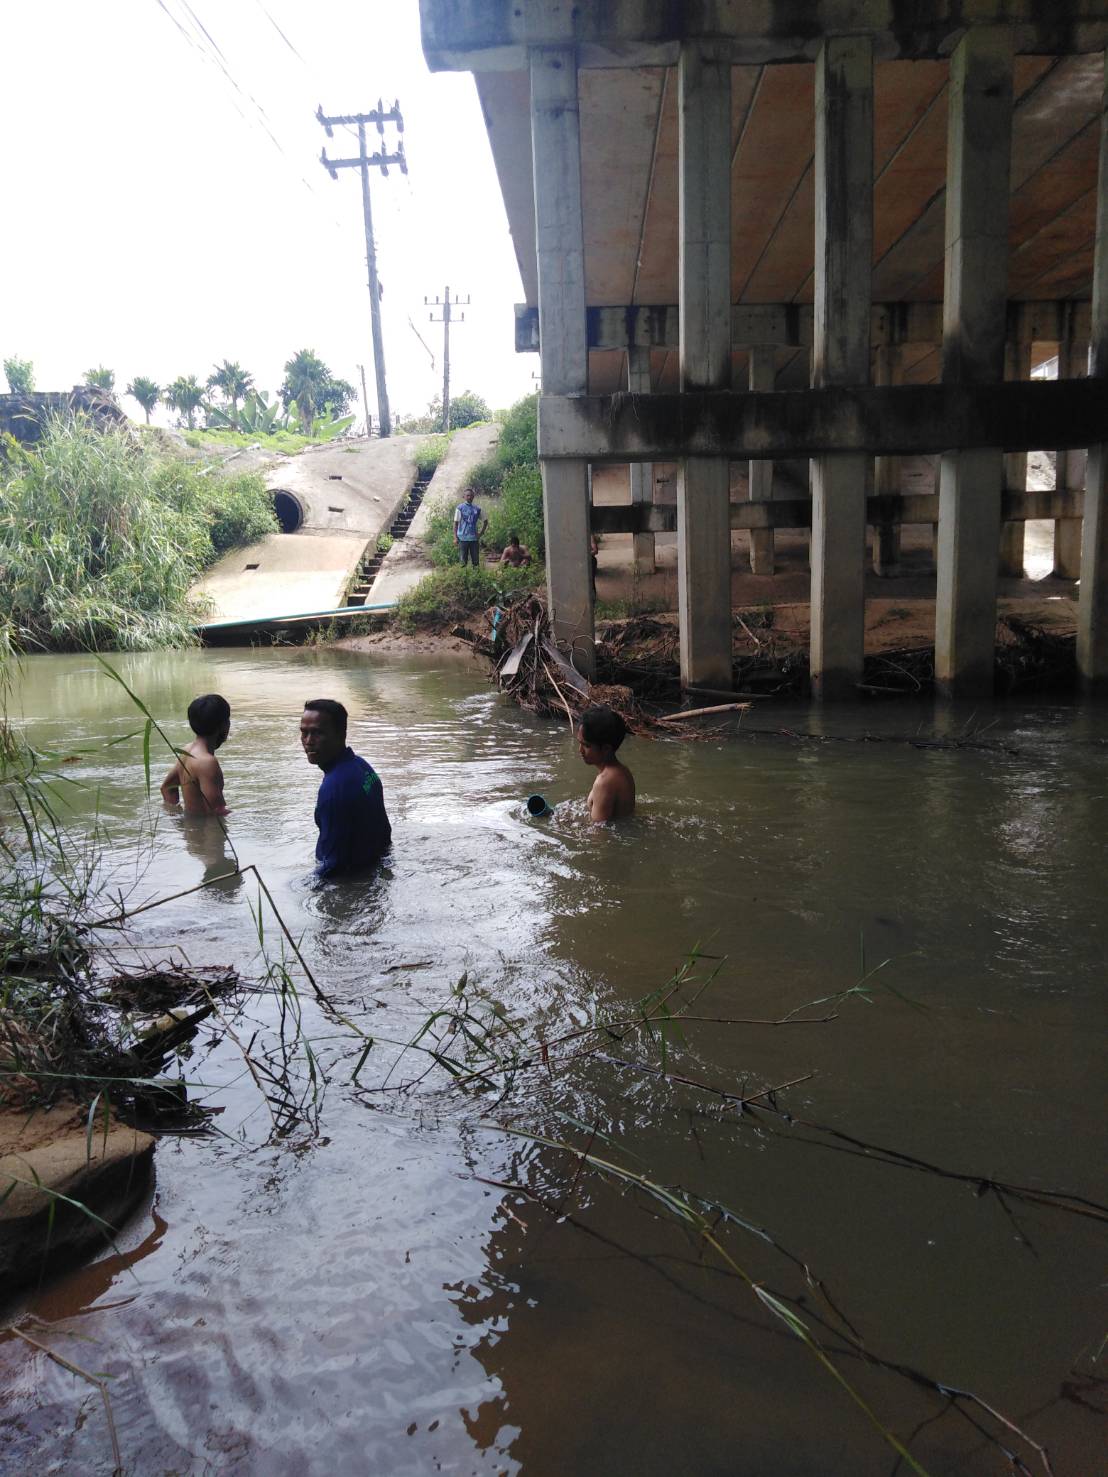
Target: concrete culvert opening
{"x":290,"y":515}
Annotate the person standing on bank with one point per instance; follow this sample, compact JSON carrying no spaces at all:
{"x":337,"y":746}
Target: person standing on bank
{"x":468,"y":529}
{"x":354,"y":830}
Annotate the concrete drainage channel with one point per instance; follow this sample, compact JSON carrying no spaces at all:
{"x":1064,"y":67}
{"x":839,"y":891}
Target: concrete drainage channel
{"x":371,"y":563}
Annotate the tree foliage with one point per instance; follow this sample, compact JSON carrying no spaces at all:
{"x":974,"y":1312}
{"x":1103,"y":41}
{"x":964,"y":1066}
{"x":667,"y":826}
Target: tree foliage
{"x":146,"y":392}
{"x":313,"y":389}
{"x":100,"y":378}
{"x":185,"y":395}
{"x":234,"y":382}
{"x":20,"y":374}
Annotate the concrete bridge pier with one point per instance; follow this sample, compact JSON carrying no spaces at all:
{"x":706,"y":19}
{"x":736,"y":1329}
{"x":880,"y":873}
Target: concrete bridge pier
{"x":1073,"y":363}
{"x":1017,"y":366}
{"x":642,"y":473}
{"x":560,"y":250}
{"x":762,"y":376}
{"x":888,"y":362}
{"x":704,"y":275}
{"x":1092,"y":612}
{"x":979,"y":143}
{"x":841,"y":353}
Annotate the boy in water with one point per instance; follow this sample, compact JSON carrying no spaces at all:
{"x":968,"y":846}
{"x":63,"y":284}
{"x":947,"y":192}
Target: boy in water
{"x":196,"y":779}
{"x":599,"y":735}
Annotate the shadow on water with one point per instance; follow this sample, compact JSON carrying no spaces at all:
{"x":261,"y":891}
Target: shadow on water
{"x":380,"y":1299}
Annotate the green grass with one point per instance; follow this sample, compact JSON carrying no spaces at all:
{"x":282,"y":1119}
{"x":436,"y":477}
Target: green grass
{"x":621,"y":610}
{"x":101,"y":538}
{"x":455,"y":593}
{"x":430,"y":455}
{"x":288,"y":442}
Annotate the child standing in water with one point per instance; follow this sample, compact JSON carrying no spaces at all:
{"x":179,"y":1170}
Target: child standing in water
{"x":599,"y":735}
{"x":196,"y":778}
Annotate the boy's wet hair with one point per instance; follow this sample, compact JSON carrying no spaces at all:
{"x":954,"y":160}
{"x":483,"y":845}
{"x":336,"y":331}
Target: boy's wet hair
{"x":600,"y":725}
{"x":334,"y":712}
{"x":208,"y":714}
{"x":513,"y":538}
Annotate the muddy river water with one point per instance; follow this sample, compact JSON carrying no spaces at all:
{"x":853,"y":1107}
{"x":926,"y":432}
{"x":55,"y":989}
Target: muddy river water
{"x":371,"y":1297}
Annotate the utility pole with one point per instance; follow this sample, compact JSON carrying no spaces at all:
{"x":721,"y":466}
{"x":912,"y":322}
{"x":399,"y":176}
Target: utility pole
{"x":364,"y":162}
{"x":445,"y":304}
{"x":365,"y":402}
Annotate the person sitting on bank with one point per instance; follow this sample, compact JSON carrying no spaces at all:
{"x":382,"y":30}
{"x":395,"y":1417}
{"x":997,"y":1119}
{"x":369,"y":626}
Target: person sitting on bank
{"x":599,"y":735}
{"x":196,"y":780}
{"x":515,"y":554}
{"x":468,"y":529}
{"x":354,"y":830}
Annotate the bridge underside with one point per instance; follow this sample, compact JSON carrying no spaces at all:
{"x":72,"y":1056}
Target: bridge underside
{"x":857,"y":232}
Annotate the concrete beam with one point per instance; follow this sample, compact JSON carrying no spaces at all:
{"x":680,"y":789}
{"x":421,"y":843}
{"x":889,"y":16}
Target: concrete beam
{"x":796,"y":512}
{"x":1092,"y":610}
{"x":979,"y":150}
{"x":559,"y":235}
{"x":790,"y":325}
{"x":704,"y":275}
{"x":901,"y":420}
{"x":476,"y":35}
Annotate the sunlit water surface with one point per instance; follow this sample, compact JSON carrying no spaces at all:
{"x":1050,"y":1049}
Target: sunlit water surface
{"x":364,"y":1301}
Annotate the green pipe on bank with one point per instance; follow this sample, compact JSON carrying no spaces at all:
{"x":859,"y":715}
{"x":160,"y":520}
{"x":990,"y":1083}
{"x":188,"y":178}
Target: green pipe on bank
{"x":288,"y":620}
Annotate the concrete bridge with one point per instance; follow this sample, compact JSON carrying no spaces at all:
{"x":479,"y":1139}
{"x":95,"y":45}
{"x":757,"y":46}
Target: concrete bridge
{"x":843,"y":231}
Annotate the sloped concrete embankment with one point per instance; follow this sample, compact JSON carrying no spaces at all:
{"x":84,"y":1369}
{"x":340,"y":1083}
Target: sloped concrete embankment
{"x":407,"y":561}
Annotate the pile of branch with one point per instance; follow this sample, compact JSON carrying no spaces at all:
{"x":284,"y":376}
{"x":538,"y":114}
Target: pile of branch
{"x":541,"y":678}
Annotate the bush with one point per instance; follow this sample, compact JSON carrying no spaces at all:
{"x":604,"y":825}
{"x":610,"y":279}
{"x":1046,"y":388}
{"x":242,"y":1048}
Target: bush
{"x":430,"y":454}
{"x":453,"y":594}
{"x":238,"y":510}
{"x":101,"y":539}
{"x":519,"y":440}
{"x":519,"y":510}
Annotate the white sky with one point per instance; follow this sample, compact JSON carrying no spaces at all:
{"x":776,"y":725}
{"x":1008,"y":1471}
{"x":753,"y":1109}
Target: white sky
{"x":154,"y":227}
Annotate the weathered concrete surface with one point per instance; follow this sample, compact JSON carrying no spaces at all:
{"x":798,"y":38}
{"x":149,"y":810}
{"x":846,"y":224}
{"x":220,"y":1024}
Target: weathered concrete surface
{"x":407,"y":562}
{"x":348,"y":493}
{"x":46,"y":1154}
{"x":900,"y":420}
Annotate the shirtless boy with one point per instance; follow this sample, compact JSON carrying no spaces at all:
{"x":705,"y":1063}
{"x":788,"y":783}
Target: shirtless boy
{"x":599,"y":735}
{"x":196,"y":779}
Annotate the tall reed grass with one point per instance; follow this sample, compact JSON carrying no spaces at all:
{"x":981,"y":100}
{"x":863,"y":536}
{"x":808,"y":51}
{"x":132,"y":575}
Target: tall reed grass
{"x":101,"y":538}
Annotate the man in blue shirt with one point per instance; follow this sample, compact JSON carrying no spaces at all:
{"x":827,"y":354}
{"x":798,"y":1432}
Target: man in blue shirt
{"x":354,"y":831}
{"x":468,"y":528}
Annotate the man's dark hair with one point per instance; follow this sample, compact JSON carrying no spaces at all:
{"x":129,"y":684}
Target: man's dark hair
{"x":513,"y":538}
{"x":208,"y":714}
{"x":600,"y":725}
{"x":334,"y":712}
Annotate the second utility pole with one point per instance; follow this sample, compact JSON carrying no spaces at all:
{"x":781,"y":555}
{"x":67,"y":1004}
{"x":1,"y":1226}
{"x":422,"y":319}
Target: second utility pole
{"x":445,"y":304}
{"x":363,"y":162}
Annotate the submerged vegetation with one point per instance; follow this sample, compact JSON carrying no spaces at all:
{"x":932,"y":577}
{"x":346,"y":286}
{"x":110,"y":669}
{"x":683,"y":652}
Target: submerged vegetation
{"x":101,"y":538}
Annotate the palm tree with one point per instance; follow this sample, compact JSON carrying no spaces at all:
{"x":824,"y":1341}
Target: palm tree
{"x":306,"y":378}
{"x":146,"y":392}
{"x":184,"y":395}
{"x":235,"y":382}
{"x":100,"y":379}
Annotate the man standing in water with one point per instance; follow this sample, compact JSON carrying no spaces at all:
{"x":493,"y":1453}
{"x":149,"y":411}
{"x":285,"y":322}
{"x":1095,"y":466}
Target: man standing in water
{"x":468,"y":528}
{"x":354,"y":831}
{"x":196,"y":777}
